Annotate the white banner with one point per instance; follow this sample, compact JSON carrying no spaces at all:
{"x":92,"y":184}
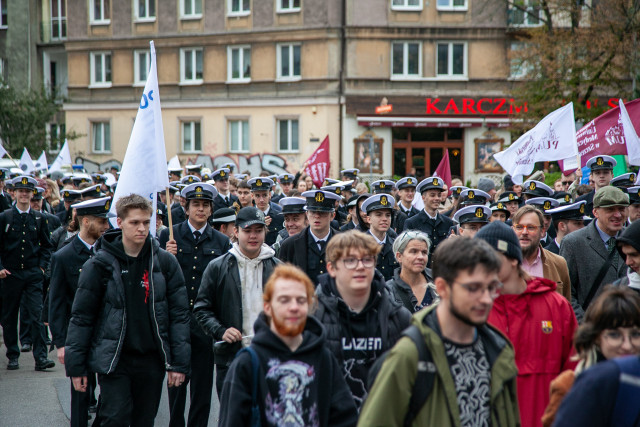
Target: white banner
{"x":64,"y":158}
{"x":144,"y":168}
{"x":631,"y":137}
{"x":174,"y":163}
{"x":41,"y":163}
{"x":2,"y":150}
{"x":26,"y":163}
{"x":554,"y":138}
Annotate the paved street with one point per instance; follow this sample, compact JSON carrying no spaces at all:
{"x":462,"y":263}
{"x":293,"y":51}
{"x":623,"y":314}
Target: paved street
{"x":29,"y":398}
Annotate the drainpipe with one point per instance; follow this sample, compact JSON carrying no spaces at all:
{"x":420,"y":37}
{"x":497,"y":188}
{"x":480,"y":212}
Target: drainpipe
{"x":343,"y":48}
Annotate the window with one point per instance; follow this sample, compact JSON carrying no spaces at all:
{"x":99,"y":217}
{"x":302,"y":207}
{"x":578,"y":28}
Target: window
{"x":406,"y":60}
{"x":453,"y":5}
{"x":141,"y":64}
{"x":191,"y":66}
{"x":100,"y":69}
{"x":3,"y":71}
{"x":451,"y":60}
{"x":191,"y":137}
{"x":56,"y":136}
{"x":286,"y":6}
{"x":519,"y":67}
{"x":288,"y":59}
{"x":58,"y":19}
{"x":191,"y":9}
{"x":239,"y":136}
{"x":239,"y":64}
{"x":406,"y":4}
{"x":145,"y":10}
{"x":100,"y":12}
{"x":524,"y":13}
{"x":4,"y":20}
{"x":288,"y":135}
{"x":238,"y":7}
{"x":101,"y":137}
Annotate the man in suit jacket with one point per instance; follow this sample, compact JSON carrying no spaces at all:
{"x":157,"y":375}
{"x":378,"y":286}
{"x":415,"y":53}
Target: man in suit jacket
{"x":590,"y":249}
{"x":307,"y":248}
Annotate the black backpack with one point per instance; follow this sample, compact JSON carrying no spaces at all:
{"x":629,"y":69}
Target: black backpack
{"x":424,"y":379}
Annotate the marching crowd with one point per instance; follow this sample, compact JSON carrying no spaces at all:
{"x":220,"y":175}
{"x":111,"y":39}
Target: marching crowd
{"x":394,"y":303}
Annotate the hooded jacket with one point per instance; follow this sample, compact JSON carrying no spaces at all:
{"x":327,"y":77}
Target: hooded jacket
{"x":96,"y":333}
{"x":541,"y":324}
{"x":305,"y":385}
{"x":402,"y":293}
{"x":388,"y":400}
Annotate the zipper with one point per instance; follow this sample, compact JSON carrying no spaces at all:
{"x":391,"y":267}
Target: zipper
{"x":153,"y":308}
{"x":124,"y":327}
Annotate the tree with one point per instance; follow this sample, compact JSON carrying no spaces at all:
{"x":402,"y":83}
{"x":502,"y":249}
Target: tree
{"x":579,"y":52}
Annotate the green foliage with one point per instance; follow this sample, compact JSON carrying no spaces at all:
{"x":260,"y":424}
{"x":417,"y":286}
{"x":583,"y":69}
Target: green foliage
{"x":551,"y":177}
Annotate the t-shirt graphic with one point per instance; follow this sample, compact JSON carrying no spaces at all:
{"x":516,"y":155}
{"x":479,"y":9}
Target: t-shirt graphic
{"x":289,"y":401}
{"x":144,"y":283}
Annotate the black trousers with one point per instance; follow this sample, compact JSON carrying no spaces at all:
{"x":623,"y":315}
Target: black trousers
{"x":200,"y":385}
{"x":130,"y":395}
{"x":19,"y":283}
{"x":221,"y":374}
{"x":25,"y":326}
{"x":79,"y":408}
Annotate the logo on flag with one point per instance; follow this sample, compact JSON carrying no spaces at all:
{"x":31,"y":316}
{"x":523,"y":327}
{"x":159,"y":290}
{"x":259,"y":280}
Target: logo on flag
{"x":547,"y":326}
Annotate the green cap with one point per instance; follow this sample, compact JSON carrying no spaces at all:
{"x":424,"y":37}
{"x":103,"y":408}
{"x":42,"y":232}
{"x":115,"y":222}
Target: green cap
{"x":610,"y":196}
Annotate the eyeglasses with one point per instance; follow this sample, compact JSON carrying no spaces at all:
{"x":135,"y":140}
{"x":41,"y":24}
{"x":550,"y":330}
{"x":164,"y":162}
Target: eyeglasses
{"x":531,"y":228}
{"x":616,"y":337}
{"x":567,"y":182}
{"x":352,"y":263}
{"x":477,"y":289}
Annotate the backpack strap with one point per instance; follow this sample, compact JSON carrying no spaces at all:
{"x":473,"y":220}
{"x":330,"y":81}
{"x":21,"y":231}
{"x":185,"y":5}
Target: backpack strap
{"x":255,"y":369}
{"x":425,"y":377}
{"x":626,"y":411}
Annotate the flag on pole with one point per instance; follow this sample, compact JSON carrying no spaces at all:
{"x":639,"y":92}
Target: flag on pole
{"x":553,"y":138}
{"x":41,"y":163}
{"x":63,"y":158}
{"x":144,"y":168}
{"x":630,"y":136}
{"x":2,"y":150}
{"x":444,"y":169}
{"x":26,"y":163}
{"x":174,"y":163}
{"x":319,"y":163}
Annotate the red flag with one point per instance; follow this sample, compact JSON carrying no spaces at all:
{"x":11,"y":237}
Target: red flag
{"x":444,"y":170}
{"x":319,"y":163}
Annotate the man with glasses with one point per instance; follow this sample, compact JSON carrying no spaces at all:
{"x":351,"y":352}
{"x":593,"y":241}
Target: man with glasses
{"x":528,"y":223}
{"x":474,"y":378}
{"x":361,"y":318}
{"x":539,"y":322}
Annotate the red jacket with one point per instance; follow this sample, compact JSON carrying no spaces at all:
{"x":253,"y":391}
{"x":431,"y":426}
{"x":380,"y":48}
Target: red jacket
{"x":541,"y":324}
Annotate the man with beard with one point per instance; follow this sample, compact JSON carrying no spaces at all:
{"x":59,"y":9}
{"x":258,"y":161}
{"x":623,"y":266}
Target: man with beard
{"x":66,"y":265}
{"x":472,"y":364}
{"x":528,"y":223}
{"x":301,"y":378}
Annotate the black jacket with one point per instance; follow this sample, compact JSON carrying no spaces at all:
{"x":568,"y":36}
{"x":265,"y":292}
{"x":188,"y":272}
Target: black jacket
{"x":386,"y":262}
{"x":178,"y":215}
{"x":553,"y":247}
{"x":219,"y":302}
{"x":401,"y":291}
{"x":437,"y":232}
{"x":24,"y":245}
{"x":309,"y":378}
{"x":295,"y":250}
{"x":277,"y":224}
{"x":219,"y":203}
{"x":98,"y":317}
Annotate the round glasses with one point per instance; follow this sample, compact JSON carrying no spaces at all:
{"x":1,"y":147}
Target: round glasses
{"x":616,"y":337}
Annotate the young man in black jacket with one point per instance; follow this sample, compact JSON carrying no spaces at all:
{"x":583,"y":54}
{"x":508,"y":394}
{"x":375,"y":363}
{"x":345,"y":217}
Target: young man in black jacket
{"x":130,"y":320}
{"x":230,"y":295}
{"x":361,"y":319}
{"x":299,"y":377}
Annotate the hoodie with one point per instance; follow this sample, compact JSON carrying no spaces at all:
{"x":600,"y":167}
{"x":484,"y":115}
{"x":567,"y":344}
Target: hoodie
{"x":301,"y":387}
{"x":541,"y":324}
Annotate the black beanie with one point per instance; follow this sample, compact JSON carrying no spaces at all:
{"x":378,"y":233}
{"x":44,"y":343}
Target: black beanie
{"x":630,"y":236}
{"x":502,"y":238}
{"x":507,"y":182}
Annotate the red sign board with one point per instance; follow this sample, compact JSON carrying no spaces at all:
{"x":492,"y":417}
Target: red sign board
{"x":473,"y":107}
{"x":383,"y":109}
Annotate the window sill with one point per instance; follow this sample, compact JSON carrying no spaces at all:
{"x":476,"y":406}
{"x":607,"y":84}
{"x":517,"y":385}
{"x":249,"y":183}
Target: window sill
{"x":288,"y":79}
{"x":190,"y":83}
{"x":239,"y":152}
{"x":191,"y":152}
{"x":101,"y":152}
{"x":144,"y":20}
{"x":238,"y":14}
{"x":293,"y":10}
{"x":289,"y":152}
{"x":100,"y":85}
{"x":406,"y":8}
{"x":452,"y":9}
{"x":105,"y":22}
{"x":447,"y":78}
{"x":190,"y":17}
{"x":238,"y":81}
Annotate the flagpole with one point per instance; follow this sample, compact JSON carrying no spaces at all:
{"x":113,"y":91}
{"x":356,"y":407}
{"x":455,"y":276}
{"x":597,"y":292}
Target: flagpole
{"x":14,"y":162}
{"x":169,"y":213}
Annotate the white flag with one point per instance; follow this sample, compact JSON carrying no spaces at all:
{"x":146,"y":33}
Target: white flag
{"x":26,"y":163}
{"x":554,"y":138}
{"x":64,"y":158}
{"x":2,"y":150}
{"x":174,"y":163}
{"x":144,"y":168}
{"x":631,"y":137}
{"x":41,"y":164}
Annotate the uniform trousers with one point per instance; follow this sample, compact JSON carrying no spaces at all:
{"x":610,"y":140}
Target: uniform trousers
{"x":19,"y":283}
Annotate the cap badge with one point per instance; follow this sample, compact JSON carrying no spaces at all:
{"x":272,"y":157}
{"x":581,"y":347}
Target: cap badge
{"x":355,"y":173}
{"x":409,"y":181}
{"x":500,"y":206}
{"x":258,"y":183}
{"x":190,"y":179}
{"x":24,"y":181}
{"x":107,"y":205}
{"x":547,"y":326}
{"x":567,"y":198}
{"x":471,"y":194}
{"x":532,"y":186}
{"x":632,"y":177}
{"x":600,"y":161}
{"x":458,"y":190}
{"x":65,"y":194}
{"x":582,"y":208}
{"x":198,"y":189}
{"x":547,"y":205}
{"x":384,"y":201}
{"x":222,"y":173}
{"x":319,"y":197}
{"x":382,"y":185}
{"x":337,"y":190}
{"x":479,"y":213}
{"x":435,"y":181}
{"x":511,"y":196}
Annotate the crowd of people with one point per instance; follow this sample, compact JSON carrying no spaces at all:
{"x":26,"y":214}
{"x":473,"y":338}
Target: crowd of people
{"x":403,"y":302}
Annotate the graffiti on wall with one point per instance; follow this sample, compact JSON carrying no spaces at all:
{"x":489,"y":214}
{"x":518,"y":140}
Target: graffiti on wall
{"x":252,"y":164}
{"x":91,"y":167}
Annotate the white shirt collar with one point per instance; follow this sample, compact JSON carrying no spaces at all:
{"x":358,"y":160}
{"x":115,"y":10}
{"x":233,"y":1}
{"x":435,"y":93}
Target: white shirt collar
{"x":325,"y":238}
{"x":85,"y":243}
{"x":19,"y":211}
{"x":381,"y":242}
{"x":431,"y":217}
{"x":193,"y":229}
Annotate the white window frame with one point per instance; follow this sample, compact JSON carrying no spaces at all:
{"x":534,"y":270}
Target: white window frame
{"x":193,"y":15}
{"x":281,"y":8}
{"x":450,"y":75}
{"x":451,"y":8}
{"x":240,"y":136}
{"x":92,"y":63}
{"x":230,"y":50}
{"x":405,"y":61}
{"x":92,"y":123}
{"x":525,"y":14}
{"x":183,"y":77}
{"x":57,"y":21}
{"x":192,"y":133}
{"x":147,"y":18}
{"x":406,"y":7}
{"x":3,"y":70}
{"x":137,"y":80}
{"x":4,"y":3}
{"x":524,"y":67}
{"x":291,"y":47}
{"x":290,"y":148}
{"x":59,"y":128}
{"x":102,"y":20}
{"x":241,"y":12}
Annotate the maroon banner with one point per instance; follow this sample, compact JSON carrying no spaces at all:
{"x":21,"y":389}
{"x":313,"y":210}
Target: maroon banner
{"x":444,"y":170}
{"x":319,"y":163}
{"x":604,"y":135}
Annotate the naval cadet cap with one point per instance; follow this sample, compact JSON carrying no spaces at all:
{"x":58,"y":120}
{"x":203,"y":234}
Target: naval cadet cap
{"x":231,"y":166}
{"x":260,"y":184}
{"x":457,"y":189}
{"x":240,"y":176}
{"x":474,"y":213}
{"x":224,"y":216}
{"x":330,"y":181}
{"x":206,"y":176}
{"x":94,"y":207}
{"x":634,"y":195}
{"x":601,"y":162}
{"x":508,"y":196}
{"x":500,"y":207}
{"x":24,"y":181}
{"x":625,"y":180}
{"x":3,"y":173}
{"x":383,"y":186}
{"x":377,"y":202}
{"x":350,"y":173}
{"x":175,"y":170}
{"x":286,"y":178}
{"x":221,"y":174}
{"x":430,"y":183}
{"x":320,"y":201}
{"x":573,"y":211}
{"x":81,"y":178}
{"x":194,"y":168}
{"x":199,"y":190}
{"x":92,"y":192}
{"x":562,"y":197}
{"x":189,"y":179}
{"x":70,"y":195}
{"x":99,"y":178}
{"x":543,"y":203}
{"x":37,"y":193}
{"x":473,"y":196}
{"x":536,"y":188}
{"x":335,"y":189}
{"x":407,"y":182}
{"x":292,"y":205}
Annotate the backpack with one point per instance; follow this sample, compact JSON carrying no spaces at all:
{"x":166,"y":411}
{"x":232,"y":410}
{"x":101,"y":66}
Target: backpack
{"x":424,"y":378}
{"x":626,"y":411}
{"x":255,"y":368}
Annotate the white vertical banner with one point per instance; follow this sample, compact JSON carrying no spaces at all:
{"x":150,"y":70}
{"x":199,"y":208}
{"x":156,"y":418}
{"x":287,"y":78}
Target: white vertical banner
{"x":41,"y":163}
{"x":2,"y":150}
{"x":144,"y":168}
{"x":631,"y":137}
{"x":26,"y":163}
{"x":63,"y":158}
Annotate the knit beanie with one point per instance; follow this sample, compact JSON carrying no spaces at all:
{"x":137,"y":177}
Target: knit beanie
{"x":502,"y":238}
{"x":630,"y":236}
{"x":486,"y":184}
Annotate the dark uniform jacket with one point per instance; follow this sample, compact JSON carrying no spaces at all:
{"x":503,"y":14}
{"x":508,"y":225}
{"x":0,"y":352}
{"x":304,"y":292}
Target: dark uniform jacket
{"x":437,"y":230}
{"x":98,"y":316}
{"x":401,"y":291}
{"x":277,"y":224}
{"x":219,"y":203}
{"x":5,"y":201}
{"x":178,"y":214}
{"x":64,"y":215}
{"x":553,"y":247}
{"x":399,"y":218}
{"x":218,"y":306}
{"x":588,"y":208}
{"x":413,"y":211}
{"x":348,"y":226}
{"x":18,"y":252}
{"x":302,"y":250}
{"x":386,"y":262}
